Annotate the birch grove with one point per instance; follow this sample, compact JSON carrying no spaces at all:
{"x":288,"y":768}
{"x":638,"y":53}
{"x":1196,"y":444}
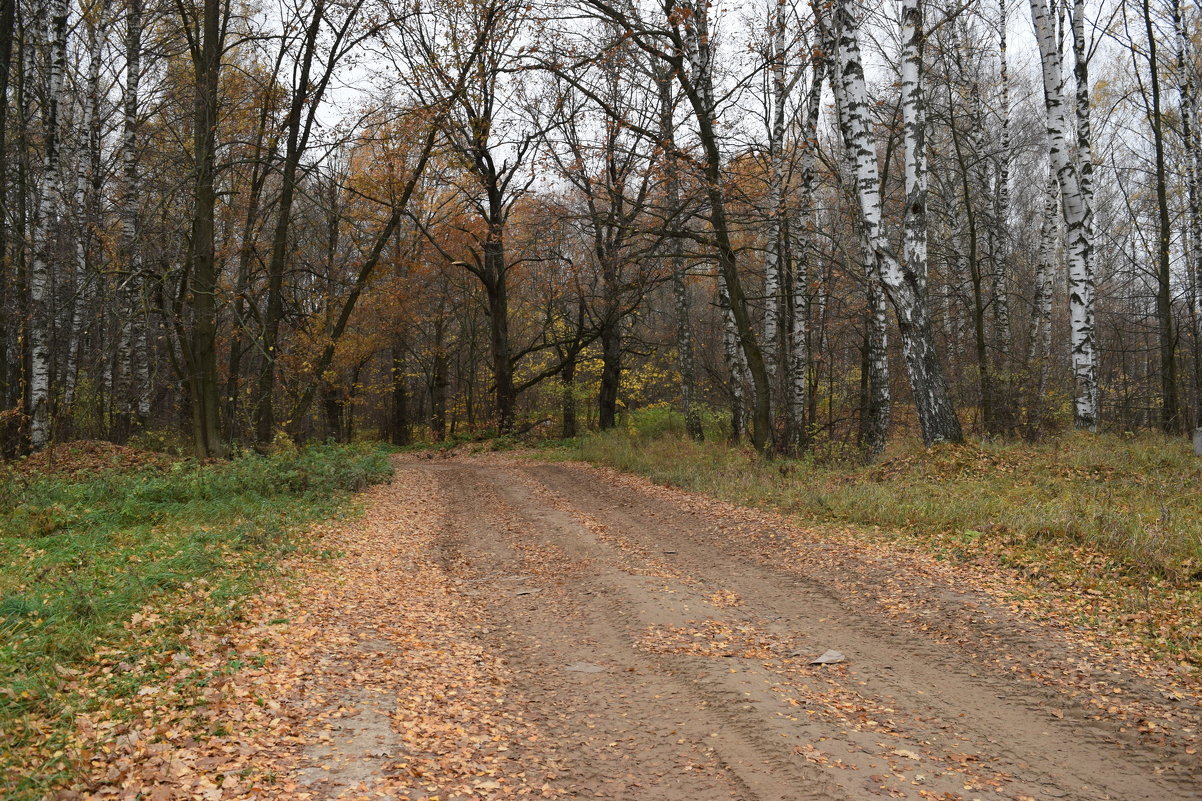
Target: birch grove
{"x":814,"y":228}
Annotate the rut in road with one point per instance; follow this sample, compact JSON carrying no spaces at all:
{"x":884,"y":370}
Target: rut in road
{"x":703,"y":621}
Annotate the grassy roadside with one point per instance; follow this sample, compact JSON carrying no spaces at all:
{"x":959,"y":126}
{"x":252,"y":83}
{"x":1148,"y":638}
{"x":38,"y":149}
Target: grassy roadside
{"x":130,"y":560}
{"x":1106,"y":530}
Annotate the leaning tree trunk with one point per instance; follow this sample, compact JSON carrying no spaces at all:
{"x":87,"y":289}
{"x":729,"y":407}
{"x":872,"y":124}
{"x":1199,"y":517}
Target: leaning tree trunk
{"x":304,"y":96}
{"x":904,"y":283}
{"x":47,"y":238}
{"x":1077,"y":209}
{"x":698,"y":84}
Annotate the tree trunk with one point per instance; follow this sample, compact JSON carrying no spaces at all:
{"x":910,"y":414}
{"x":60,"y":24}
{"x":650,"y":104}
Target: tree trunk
{"x":1074,"y":177}
{"x":797,"y":389}
{"x":879,"y":412}
{"x":47,"y":238}
{"x":401,"y":435}
{"x":128,"y":290}
{"x":502,"y":366}
{"x":904,"y":284}
{"x":735,"y":365}
{"x":685,"y":357}
{"x":777,"y":222}
{"x":7,"y":29}
{"x":202,"y":290}
{"x":698,"y":85}
{"x":1170,"y":415}
{"x":1193,"y":172}
{"x":1039,"y":340}
{"x":1005,"y":389}
{"x":304,"y":96}
{"x":611,"y":375}
{"x":567,"y":389}
{"x":438,"y":386}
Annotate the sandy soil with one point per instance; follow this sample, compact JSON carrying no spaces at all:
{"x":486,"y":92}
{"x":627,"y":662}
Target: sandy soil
{"x":502,"y":629}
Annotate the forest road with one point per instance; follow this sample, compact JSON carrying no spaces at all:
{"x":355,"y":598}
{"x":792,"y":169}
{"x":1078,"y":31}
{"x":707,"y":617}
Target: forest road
{"x":662,"y":641}
{"x":501,"y":628}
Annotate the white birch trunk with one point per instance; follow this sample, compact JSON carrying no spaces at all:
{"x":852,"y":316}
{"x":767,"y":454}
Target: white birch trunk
{"x":1001,"y":278}
{"x":903,"y":283}
{"x":1075,"y":199}
{"x":736,"y":363}
{"x":797,"y":389}
{"x":87,"y":193}
{"x":132,"y":367}
{"x":47,"y":237}
{"x":773,"y":257}
{"x":914,"y":248}
{"x":698,"y":85}
{"x":881,"y":398}
{"x":1186,"y":66}
{"x":1039,"y":342}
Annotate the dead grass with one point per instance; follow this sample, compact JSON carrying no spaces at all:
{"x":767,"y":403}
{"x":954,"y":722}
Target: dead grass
{"x":1119,"y":517}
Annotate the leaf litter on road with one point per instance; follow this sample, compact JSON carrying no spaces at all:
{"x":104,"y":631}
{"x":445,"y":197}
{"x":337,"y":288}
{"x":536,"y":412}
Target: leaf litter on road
{"x":361,"y":679}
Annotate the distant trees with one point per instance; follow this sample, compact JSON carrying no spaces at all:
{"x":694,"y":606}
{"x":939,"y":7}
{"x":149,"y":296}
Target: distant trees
{"x":410,"y":219}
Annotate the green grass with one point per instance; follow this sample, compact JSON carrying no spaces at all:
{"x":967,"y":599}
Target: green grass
{"x":80,"y":556}
{"x":1118,"y":514}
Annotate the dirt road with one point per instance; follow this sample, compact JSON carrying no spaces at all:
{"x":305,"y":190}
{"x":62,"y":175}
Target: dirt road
{"x":520,"y":629}
{"x":704,"y":624}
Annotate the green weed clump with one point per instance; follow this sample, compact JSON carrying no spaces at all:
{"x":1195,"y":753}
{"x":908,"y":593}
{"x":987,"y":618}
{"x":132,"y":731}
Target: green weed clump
{"x":79,"y":556}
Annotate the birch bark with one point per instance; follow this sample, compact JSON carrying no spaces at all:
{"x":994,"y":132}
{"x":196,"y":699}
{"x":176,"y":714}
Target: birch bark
{"x":88,"y":185}
{"x":1039,"y":340}
{"x":777,"y":226}
{"x":131,"y":285}
{"x":735,"y":363}
{"x":903,"y":283}
{"x":799,"y":356}
{"x":1186,"y":66}
{"x":1074,"y":178}
{"x":1001,"y":274}
{"x":698,"y":86}
{"x":47,"y":236}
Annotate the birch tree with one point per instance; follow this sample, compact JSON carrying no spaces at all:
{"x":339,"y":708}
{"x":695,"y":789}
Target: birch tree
{"x":806,"y":251}
{"x":1074,"y":178}
{"x":47,"y":235}
{"x":1186,"y":74}
{"x":903,"y":283}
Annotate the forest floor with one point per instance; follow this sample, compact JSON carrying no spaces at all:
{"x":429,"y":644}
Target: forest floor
{"x":498,"y":628}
